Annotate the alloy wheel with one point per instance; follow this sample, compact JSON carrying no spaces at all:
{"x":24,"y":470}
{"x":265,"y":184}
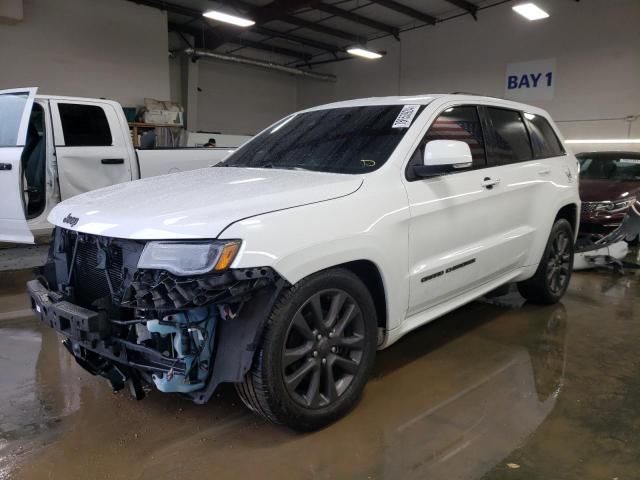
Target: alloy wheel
{"x":323,"y":349}
{"x":558,"y":265}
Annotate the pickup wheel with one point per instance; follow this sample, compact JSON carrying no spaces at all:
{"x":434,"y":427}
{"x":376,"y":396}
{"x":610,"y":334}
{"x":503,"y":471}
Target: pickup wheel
{"x":316,"y":354}
{"x":551,"y":279}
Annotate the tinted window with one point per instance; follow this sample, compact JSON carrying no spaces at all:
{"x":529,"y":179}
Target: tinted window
{"x":509,"y":139}
{"x":458,"y":123}
{"x":342,"y":140}
{"x":618,"y":166}
{"x":84,"y":125}
{"x":543,"y":139}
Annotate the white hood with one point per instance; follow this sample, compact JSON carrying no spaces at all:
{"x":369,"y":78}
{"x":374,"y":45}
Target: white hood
{"x":196,"y":204}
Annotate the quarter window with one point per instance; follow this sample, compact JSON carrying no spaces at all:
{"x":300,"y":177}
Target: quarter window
{"x":510,"y":140}
{"x":544,"y":140}
{"x":84,"y":125}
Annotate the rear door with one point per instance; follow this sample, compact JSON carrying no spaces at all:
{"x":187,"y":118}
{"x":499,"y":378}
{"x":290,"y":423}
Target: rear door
{"x":523,"y":186}
{"x":15,"y":109}
{"x":91,"y":146}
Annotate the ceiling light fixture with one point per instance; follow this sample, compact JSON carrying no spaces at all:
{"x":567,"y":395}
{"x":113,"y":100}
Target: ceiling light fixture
{"x":605,"y":140}
{"x":361,"y":52}
{"x":530,"y":11}
{"x":226,"y":18}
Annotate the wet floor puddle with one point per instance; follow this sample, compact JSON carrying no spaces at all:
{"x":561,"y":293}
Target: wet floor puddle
{"x":494,"y":390}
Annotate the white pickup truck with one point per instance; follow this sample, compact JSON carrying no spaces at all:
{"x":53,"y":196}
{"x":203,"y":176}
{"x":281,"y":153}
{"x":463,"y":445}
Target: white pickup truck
{"x":53,"y":148}
{"x":332,"y":233}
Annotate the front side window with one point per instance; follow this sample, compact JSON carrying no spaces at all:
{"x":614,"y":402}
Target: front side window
{"x":84,"y":125}
{"x":509,"y":139}
{"x":340,"y":140}
{"x":457,"y":123}
{"x":544,"y":140}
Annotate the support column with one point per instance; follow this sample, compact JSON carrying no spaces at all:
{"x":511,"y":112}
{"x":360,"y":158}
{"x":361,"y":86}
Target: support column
{"x":190,"y":75}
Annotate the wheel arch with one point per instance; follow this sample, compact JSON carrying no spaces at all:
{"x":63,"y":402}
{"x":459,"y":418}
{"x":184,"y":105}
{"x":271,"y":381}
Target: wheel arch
{"x":369,"y":273}
{"x":570,"y":213}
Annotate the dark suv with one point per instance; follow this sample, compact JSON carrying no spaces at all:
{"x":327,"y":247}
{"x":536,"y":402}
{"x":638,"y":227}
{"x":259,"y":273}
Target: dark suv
{"x":609,"y":186}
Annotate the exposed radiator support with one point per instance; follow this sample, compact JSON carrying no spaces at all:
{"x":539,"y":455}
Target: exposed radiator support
{"x":197,"y":52}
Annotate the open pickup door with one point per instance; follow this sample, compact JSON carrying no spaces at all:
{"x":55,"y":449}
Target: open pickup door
{"x":15,"y":110}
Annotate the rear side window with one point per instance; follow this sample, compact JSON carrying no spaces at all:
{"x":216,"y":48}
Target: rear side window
{"x":509,"y":139}
{"x":84,"y":125}
{"x":544,"y":140}
{"x":459,"y":123}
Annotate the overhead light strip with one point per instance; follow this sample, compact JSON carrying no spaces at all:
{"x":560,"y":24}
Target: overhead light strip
{"x":604,"y":140}
{"x":361,"y":52}
{"x":530,"y":11}
{"x":226,"y":18}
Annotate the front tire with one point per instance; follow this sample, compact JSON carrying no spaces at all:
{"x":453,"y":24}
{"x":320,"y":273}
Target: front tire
{"x":551,"y":279}
{"x":316,"y":353}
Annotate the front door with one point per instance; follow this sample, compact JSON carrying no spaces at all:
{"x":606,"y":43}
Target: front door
{"x":451,"y":242}
{"x":15,"y":109}
{"x":91,"y":149}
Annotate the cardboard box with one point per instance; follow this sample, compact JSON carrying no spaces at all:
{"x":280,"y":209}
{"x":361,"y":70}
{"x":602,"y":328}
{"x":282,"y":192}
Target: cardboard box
{"x":164,"y":117}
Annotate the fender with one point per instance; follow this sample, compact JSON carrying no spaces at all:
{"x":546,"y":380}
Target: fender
{"x":372,"y":225}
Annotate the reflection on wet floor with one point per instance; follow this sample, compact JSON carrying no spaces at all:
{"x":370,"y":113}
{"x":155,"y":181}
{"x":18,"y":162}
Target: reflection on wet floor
{"x":494,"y":390}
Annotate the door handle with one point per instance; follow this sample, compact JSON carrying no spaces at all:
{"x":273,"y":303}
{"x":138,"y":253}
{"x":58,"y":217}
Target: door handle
{"x":5,"y":166}
{"x":489,"y":183}
{"x":544,"y":171}
{"x":112,"y":161}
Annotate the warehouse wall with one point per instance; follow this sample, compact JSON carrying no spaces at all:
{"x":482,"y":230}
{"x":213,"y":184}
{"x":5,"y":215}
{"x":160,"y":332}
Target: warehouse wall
{"x":94,"y":48}
{"x":595,"y":45}
{"x":241,"y":99}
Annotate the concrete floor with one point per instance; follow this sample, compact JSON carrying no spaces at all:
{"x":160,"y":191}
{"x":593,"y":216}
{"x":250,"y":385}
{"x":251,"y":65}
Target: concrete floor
{"x":491,"y":391}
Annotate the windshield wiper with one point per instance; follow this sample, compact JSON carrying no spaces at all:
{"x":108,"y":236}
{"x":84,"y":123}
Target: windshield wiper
{"x":283,"y":167}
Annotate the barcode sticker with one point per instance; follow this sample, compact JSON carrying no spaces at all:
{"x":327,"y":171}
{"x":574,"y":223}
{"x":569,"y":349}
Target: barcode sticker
{"x":405,"y":117}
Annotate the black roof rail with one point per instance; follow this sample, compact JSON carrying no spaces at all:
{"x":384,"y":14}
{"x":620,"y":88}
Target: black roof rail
{"x":476,"y":94}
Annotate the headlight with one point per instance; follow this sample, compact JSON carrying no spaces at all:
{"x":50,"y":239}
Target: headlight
{"x":618,"y":206}
{"x":189,"y":258}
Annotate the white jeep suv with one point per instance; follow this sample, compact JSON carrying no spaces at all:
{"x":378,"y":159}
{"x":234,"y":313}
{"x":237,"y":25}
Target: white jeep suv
{"x":328,"y":236}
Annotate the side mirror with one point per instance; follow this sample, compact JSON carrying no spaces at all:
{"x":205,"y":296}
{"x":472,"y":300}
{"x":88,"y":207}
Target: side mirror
{"x":443,"y":156}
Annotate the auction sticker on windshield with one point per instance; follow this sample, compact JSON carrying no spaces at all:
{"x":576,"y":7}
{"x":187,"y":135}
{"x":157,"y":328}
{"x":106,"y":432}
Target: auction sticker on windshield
{"x":405,"y":117}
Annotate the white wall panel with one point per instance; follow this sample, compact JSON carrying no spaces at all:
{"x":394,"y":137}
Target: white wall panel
{"x":95,"y":48}
{"x":240,"y":99}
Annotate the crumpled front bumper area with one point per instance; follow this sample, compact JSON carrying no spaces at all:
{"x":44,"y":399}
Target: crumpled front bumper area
{"x":88,"y":337}
{"x":141,"y":328}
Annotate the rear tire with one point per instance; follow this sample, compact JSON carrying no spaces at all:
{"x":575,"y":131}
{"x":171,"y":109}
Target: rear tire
{"x":551,"y":279}
{"x":316,"y":353}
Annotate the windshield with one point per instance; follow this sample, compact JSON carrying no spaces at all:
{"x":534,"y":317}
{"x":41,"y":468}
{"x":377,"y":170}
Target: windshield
{"x":610,"y":166}
{"x":340,"y":140}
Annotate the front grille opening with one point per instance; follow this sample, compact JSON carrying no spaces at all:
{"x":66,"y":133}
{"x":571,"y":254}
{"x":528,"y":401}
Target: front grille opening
{"x":97,"y":270}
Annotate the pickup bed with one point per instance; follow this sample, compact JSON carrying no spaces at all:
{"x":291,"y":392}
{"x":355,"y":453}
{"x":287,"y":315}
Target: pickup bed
{"x":53,"y":148}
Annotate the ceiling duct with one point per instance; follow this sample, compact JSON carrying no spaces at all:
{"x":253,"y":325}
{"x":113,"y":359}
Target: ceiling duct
{"x":198,"y":52}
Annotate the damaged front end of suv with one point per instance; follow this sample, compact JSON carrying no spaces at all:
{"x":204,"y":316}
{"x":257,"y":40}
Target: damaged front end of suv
{"x":169,"y":314}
